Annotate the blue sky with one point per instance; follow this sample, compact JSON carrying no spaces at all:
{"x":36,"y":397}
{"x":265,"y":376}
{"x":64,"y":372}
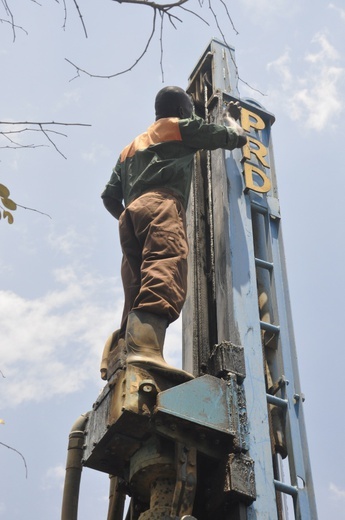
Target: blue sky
{"x":60,"y":290}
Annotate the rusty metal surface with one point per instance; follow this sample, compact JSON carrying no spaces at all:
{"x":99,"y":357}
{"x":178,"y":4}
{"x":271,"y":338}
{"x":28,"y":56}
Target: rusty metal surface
{"x":240,"y":479}
{"x":227,"y":357}
{"x":186,"y":480}
{"x":120,"y":419}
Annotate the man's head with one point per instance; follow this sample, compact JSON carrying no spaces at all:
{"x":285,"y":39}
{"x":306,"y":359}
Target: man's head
{"x":173,"y":102}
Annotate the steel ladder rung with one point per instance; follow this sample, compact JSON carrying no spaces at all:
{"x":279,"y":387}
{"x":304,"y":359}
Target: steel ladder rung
{"x":285,"y":488}
{"x":264,"y":264}
{"x":265,"y":325}
{"x":278,"y":401}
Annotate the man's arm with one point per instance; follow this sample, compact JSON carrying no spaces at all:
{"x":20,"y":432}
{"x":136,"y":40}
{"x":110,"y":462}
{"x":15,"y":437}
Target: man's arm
{"x":112,"y":195}
{"x":115,"y":207}
{"x":198,"y":134}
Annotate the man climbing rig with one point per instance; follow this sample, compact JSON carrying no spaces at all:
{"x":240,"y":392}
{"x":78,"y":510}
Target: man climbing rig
{"x":148,"y":193}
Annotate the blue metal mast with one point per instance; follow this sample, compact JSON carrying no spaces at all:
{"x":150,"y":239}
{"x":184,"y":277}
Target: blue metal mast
{"x":238,"y":294}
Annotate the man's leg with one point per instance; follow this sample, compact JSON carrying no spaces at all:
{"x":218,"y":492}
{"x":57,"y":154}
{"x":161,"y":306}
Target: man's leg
{"x":130,"y":267}
{"x":158,"y":222}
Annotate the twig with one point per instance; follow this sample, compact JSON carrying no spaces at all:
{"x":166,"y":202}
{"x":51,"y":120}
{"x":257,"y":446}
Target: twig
{"x":217,"y":23}
{"x":78,"y":69}
{"x":52,"y":142}
{"x":154,"y":5}
{"x":40,"y":128}
{"x":195,"y":14}
{"x":65,"y":15}
{"x":228,"y":14}
{"x":161,"y":46}
{"x":13,"y":449}
{"x":14,"y":26}
{"x":32,"y":209}
{"x":10,"y":14}
{"x":42,"y":123}
{"x":80,"y":16}
{"x":252,"y":88}
{"x":19,"y":146}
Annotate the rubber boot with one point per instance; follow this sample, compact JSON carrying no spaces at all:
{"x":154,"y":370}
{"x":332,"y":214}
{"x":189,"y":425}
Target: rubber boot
{"x":145,"y":335}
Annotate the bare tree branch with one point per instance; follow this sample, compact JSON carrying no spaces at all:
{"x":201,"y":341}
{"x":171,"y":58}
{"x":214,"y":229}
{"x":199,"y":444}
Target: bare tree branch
{"x":158,"y":6}
{"x":14,"y":143}
{"x":51,"y":141}
{"x":42,"y":127}
{"x":14,"y":27}
{"x":79,"y":69}
{"x":42,"y":123}
{"x":163,"y":10}
{"x":80,"y":16}
{"x":155,"y":5}
{"x":10,"y":15}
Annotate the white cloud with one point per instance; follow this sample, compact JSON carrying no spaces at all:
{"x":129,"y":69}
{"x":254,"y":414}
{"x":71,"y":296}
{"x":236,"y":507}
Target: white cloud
{"x":337,"y":492}
{"x":53,"y":344}
{"x":339,"y":10}
{"x":282,"y":66}
{"x":69,"y":242}
{"x":326,"y":51}
{"x":98,"y":150}
{"x":319,"y":102}
{"x":265,"y":9}
{"x":72,"y":97}
{"x":313,"y":97}
{"x":54,"y":477}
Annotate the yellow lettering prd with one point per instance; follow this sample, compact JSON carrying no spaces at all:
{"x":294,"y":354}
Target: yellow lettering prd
{"x":249,"y":171}
{"x":251,"y":120}
{"x":259,"y":150}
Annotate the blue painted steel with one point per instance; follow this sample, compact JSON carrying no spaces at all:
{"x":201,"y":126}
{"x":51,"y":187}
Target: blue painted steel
{"x":205,"y":401}
{"x":236,"y":299}
{"x":246,"y":316}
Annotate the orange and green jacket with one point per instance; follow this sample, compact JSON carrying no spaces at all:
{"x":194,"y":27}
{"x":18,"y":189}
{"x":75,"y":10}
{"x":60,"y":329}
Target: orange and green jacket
{"x":162,"y":157}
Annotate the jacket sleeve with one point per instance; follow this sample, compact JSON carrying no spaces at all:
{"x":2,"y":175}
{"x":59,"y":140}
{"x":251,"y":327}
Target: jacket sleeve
{"x":113,"y":188}
{"x":208,"y":136}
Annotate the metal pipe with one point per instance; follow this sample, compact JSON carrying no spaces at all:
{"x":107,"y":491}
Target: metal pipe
{"x":116,"y":500}
{"x":73,"y":469}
